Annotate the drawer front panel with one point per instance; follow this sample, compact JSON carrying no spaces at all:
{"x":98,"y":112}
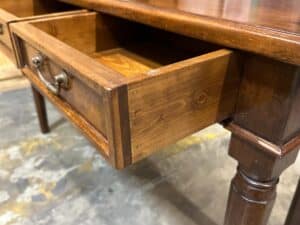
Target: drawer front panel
{"x":85,"y":127}
{"x":83,"y":99}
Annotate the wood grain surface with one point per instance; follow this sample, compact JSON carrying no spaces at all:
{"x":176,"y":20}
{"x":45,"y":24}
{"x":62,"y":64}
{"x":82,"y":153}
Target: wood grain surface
{"x":265,"y":27}
{"x":180,"y":99}
{"x":136,"y":105}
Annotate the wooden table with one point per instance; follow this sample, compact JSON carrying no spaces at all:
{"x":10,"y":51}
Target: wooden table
{"x":252,"y":86}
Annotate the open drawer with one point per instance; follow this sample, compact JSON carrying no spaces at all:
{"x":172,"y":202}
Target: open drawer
{"x":20,"y":10}
{"x":131,"y":89}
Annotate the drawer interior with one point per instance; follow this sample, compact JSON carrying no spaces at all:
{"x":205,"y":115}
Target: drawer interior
{"x":194,"y":87}
{"x":28,"y":8}
{"x":129,"y":48}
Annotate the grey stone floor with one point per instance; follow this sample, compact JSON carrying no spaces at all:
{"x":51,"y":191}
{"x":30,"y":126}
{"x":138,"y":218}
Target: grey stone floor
{"x":60,"y":179}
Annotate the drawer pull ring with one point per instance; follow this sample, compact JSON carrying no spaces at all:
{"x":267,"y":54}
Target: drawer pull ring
{"x":61,"y":79}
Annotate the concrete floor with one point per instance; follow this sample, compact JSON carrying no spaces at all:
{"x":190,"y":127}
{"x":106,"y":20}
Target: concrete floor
{"x":10,"y":76}
{"x":60,"y":178}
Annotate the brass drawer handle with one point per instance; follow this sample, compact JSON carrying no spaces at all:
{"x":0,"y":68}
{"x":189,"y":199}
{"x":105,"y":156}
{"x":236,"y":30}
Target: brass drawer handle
{"x":61,"y":79}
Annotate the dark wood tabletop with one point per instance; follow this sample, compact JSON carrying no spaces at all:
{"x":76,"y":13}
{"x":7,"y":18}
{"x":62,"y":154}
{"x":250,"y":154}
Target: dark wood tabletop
{"x":282,"y":15}
{"x":265,"y":27}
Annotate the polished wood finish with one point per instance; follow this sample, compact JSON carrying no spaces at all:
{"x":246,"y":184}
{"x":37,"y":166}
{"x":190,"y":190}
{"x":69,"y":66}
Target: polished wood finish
{"x":250,"y":202}
{"x":293,"y":217}
{"x":264,"y":142}
{"x":265,"y":27}
{"x":253,"y":190}
{"x":272,"y":95}
{"x":132,"y":104}
{"x":260,"y":165}
{"x":41,"y":110}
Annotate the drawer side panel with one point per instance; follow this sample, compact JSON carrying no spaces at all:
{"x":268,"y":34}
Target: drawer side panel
{"x":181,"y":99}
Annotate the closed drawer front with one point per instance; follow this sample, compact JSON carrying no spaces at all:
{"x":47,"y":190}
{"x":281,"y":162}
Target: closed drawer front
{"x":132,"y":89}
{"x":21,"y":10}
{"x":82,"y":98}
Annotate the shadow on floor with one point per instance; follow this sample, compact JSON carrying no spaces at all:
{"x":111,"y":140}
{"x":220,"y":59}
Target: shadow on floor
{"x":167,"y":191}
{"x":57,"y":123}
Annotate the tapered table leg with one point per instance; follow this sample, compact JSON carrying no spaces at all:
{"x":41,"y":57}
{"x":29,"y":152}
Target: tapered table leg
{"x":293,"y":217}
{"x":41,"y":110}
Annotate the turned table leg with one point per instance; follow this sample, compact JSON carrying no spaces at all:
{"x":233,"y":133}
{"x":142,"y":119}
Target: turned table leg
{"x":250,"y":201}
{"x":293,"y":217}
{"x":265,"y":137}
{"x":253,"y":189}
{"x":41,"y":110}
